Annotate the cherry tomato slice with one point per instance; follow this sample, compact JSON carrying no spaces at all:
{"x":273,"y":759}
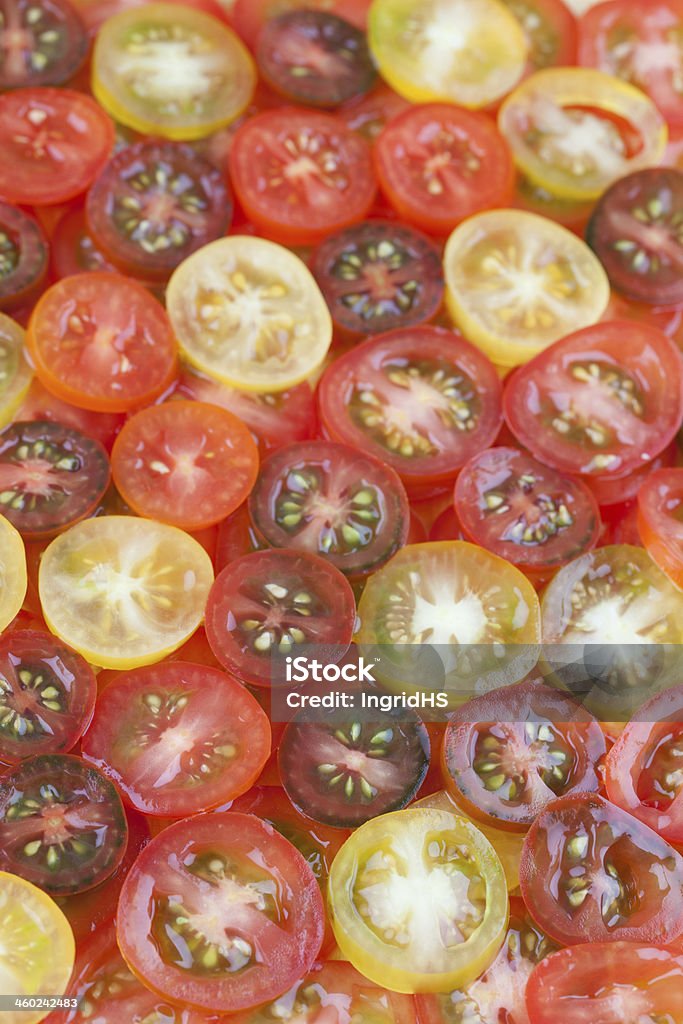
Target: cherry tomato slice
{"x":16,"y":373}
{"x":47,"y":695}
{"x":53,"y":144}
{"x":62,"y":824}
{"x":189,"y":464}
{"x":95,"y":12}
{"x":660,"y":502}
{"x":510,"y":752}
{"x":73,"y":250}
{"x":266,"y":604}
{"x":43,"y":44}
{"x":599,"y":402}
{"x":251,"y":16}
{"x":331,"y":500}
{"x":173,"y":738}
{"x":314,"y":57}
{"x":524,"y":511}
{"x":422,"y":399}
{"x":23,"y":256}
{"x":610,"y":982}
{"x":609,"y":491}
{"x":41,"y":405}
{"x":12,"y":572}
{"x":301,"y":175}
{"x":102,"y":342}
{"x":50,"y":476}
{"x":438,"y":164}
{"x":550,"y":29}
{"x":369,"y":114}
{"x":220,"y":912}
{"x":341,"y":770}
{"x":154,"y":204}
{"x":636,"y":232}
{"x":612,"y":877}
{"x":642,"y":44}
{"x":378,"y":276}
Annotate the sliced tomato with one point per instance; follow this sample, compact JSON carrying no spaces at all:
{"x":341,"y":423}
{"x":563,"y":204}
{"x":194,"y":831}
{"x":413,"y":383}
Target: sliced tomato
{"x":599,"y":402}
{"x":620,"y":525}
{"x":154,"y":204}
{"x":438,"y":163}
{"x":642,"y":44}
{"x":446,"y":526}
{"x":95,"y":12}
{"x":636,"y":232}
{"x":524,"y":511}
{"x":53,"y":144}
{"x":612,"y":877}
{"x":429,"y":877}
{"x":342,"y":768}
{"x":102,"y":342}
{"x":47,"y":695}
{"x":236,"y":537}
{"x":274,"y":419}
{"x":378,"y":276}
{"x":16,"y":372}
{"x":189,"y":464}
{"x":23,"y":256}
{"x":221,"y":912}
{"x":551,"y":31}
{"x":178,"y":738}
{"x":609,"y":982}
{"x":171,"y":70}
{"x":265,"y":605}
{"x":498,"y":995}
{"x":250,"y":16}
{"x":40,"y":45}
{"x":62,"y":824}
{"x":331,"y":500}
{"x":315,"y":57}
{"x":660,"y":520}
{"x":422,"y":399}
{"x":369,"y":114}
{"x":12,"y":572}
{"x":510,"y":752}
{"x":609,"y":491}
{"x":73,"y":250}
{"x":568,"y":213}
{"x":301,"y":175}
{"x":41,"y":404}
{"x":50,"y":476}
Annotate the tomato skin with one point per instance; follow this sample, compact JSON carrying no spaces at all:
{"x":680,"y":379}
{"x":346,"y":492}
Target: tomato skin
{"x":659,"y":501}
{"x":286,"y":949}
{"x":603,"y":981}
{"x":648,"y":910}
{"x":473,"y":168}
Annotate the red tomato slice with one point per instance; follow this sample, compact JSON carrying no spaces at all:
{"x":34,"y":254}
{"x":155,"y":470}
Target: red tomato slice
{"x":609,"y":491}
{"x":369,"y":114}
{"x":189,"y":464}
{"x":53,"y":144}
{"x":508,"y":753}
{"x":95,"y":12}
{"x":178,"y":738}
{"x":40,"y":404}
{"x":611,"y":877}
{"x":301,"y":175}
{"x":421,"y":399}
{"x":73,"y":250}
{"x":600,"y":401}
{"x":236,"y":537}
{"x":438,"y":163}
{"x":660,"y":504}
{"x":446,"y":526}
{"x":47,"y":695}
{"x":644,"y":766}
{"x":263,"y":606}
{"x":249,"y":16}
{"x":607,"y":983}
{"x":220,"y":912}
{"x":102,"y":342}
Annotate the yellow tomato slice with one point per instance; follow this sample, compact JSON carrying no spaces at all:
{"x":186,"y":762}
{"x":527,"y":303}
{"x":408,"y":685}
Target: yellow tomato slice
{"x":124,"y":591}
{"x":516,"y":282}
{"x":508,"y":845}
{"x":470,"y":52}
{"x":249,"y":313}
{"x":13,"y":579}
{"x":574,"y":131}
{"x":15,"y":371}
{"x":167,"y":69}
{"x":36,"y":947}
{"x":418,"y":900}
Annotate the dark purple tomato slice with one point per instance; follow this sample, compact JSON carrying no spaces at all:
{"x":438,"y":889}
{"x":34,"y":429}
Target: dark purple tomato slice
{"x":509,"y":752}
{"x":637,"y":233}
{"x":23,"y":256}
{"x":47,"y":695}
{"x":315,"y":58}
{"x":331,"y":500}
{"x":62,"y":824}
{"x":72,"y":249}
{"x":266,"y":605}
{"x":42,"y":43}
{"x":154,"y":204}
{"x":51,"y":476}
{"x":378,"y":276}
{"x":531,"y":515}
{"x":342,"y":767}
